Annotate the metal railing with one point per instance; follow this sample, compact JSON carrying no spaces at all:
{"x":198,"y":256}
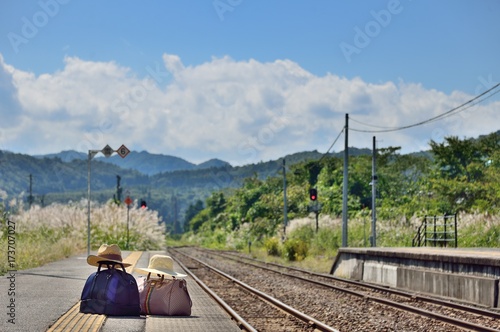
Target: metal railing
{"x":437,"y":231}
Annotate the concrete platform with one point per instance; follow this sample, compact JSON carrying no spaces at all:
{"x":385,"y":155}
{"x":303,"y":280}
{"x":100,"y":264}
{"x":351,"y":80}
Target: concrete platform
{"x":45,"y":294}
{"x":470,"y":275}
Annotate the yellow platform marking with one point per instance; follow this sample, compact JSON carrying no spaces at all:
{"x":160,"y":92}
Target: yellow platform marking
{"x":132,"y":259}
{"x":75,"y":321}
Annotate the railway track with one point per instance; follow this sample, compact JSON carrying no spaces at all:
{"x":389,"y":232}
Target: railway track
{"x":252,"y":309}
{"x":448,"y":307}
{"x":370,"y":307}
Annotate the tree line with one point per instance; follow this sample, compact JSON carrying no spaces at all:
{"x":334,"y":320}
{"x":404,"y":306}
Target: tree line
{"x":457,"y":175}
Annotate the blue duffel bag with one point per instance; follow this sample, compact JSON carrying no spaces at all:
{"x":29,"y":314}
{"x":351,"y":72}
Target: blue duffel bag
{"x":110,"y":292}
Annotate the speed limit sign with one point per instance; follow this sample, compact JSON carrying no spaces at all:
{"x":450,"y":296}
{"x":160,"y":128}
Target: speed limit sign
{"x":123,"y":151}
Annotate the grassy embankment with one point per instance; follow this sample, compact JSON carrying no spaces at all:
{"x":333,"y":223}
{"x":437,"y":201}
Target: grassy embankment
{"x":34,"y":237}
{"x":306,"y":248}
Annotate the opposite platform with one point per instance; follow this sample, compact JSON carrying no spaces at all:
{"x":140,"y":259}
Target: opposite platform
{"x":467,"y":274}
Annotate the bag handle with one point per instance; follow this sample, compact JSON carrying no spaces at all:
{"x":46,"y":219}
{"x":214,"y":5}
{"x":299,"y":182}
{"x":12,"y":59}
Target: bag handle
{"x":161,"y":280}
{"x":110,"y":265}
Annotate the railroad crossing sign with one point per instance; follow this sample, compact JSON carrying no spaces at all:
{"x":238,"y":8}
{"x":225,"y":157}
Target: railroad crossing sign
{"x":123,"y":151}
{"x":107,"y":151}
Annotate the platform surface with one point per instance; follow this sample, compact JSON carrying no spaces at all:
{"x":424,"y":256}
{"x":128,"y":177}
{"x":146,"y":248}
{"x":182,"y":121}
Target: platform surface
{"x":484,"y":256}
{"x":41,"y":296}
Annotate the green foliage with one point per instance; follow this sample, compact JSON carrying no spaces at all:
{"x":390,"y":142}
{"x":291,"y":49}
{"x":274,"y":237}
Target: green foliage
{"x":272,"y":246}
{"x":198,"y":220}
{"x":304,"y":233}
{"x":326,"y":242}
{"x":295,"y":249}
{"x":465,"y":175}
{"x":456,"y":176}
{"x":216,"y":203}
{"x":261,"y":227}
{"x":191,"y":212}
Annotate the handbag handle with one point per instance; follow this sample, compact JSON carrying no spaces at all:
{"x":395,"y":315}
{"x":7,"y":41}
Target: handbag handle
{"x":110,"y":265}
{"x":161,"y":280}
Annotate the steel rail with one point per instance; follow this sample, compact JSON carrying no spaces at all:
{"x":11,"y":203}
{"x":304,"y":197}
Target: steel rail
{"x":419,"y":297}
{"x":421,"y":312}
{"x":240,"y":322}
{"x":294,"y":312}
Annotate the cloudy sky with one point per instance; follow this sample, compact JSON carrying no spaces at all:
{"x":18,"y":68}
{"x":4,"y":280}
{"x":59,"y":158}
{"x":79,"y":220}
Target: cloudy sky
{"x":244,"y":80}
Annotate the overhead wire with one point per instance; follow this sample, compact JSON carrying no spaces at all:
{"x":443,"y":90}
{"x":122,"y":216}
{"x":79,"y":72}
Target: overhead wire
{"x":331,"y":146}
{"x":324,"y":154}
{"x":472,"y":102}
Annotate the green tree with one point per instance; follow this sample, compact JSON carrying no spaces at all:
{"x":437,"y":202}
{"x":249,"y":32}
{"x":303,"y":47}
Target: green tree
{"x":462,"y":178}
{"x":191,"y":211}
{"x":216,"y":203}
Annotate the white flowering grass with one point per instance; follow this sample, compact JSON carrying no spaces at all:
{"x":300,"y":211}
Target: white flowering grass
{"x":60,"y":230}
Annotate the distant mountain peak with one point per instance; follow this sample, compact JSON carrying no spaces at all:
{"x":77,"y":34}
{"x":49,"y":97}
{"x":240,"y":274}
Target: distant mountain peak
{"x":66,"y":155}
{"x":213,"y":163}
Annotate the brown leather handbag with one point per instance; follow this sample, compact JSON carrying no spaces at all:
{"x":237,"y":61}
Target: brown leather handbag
{"x":167,"y":297}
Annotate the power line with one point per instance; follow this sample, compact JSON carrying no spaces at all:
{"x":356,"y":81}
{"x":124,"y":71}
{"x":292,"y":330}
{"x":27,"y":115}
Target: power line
{"x":331,"y":146}
{"x":324,"y":154}
{"x":474,"y":101}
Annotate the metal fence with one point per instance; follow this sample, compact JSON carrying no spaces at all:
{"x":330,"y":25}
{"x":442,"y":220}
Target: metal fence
{"x":437,"y":231}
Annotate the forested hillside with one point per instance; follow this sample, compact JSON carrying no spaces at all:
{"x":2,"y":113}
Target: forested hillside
{"x":456,"y":175}
{"x":63,"y":177}
{"x":462,"y":175}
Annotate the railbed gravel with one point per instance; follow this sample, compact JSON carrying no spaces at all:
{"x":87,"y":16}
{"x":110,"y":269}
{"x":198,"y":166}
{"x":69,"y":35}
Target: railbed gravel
{"x":261,"y":315}
{"x":341,"y":311}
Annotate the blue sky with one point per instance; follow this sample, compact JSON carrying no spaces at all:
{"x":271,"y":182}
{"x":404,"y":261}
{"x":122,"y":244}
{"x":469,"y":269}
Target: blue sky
{"x":242,"y":80}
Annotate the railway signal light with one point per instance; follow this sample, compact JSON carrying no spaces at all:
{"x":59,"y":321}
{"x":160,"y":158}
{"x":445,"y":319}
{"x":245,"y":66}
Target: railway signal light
{"x":313,"y":194}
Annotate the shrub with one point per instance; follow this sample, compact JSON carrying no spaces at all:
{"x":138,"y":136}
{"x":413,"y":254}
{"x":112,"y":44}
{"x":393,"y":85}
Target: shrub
{"x":295,"y":249}
{"x":326,"y":242}
{"x":304,"y":233}
{"x":239,"y":238}
{"x":272,"y":246}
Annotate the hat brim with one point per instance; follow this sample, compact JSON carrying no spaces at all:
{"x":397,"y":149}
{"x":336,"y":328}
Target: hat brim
{"x":94,"y":261}
{"x":160,"y":272}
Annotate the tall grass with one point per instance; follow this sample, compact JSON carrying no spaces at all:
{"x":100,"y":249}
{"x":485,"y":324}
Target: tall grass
{"x":60,"y":230}
{"x":315,"y":249}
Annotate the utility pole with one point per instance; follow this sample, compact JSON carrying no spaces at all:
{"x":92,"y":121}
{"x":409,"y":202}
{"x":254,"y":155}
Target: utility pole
{"x":129,"y":202}
{"x":374,"y":194}
{"x":285,"y":208}
{"x":90,"y":155}
{"x":30,"y":197}
{"x":118,"y":189}
{"x":316,"y":208}
{"x":107,"y":151}
{"x":176,"y":226}
{"x":344,"y":191}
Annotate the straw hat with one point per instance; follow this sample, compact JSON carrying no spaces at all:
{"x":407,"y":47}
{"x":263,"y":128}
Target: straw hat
{"x":107,"y":253}
{"x":161,"y":265}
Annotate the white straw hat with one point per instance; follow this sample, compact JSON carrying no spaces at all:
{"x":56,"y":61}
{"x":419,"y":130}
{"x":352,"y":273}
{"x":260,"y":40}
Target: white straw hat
{"x":161,"y":265}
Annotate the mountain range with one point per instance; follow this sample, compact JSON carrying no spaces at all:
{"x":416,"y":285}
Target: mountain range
{"x":144,"y":162}
{"x":169,"y":184}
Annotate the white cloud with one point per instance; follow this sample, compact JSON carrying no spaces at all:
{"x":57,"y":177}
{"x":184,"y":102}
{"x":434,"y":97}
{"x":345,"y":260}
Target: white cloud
{"x":239,"y":111}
